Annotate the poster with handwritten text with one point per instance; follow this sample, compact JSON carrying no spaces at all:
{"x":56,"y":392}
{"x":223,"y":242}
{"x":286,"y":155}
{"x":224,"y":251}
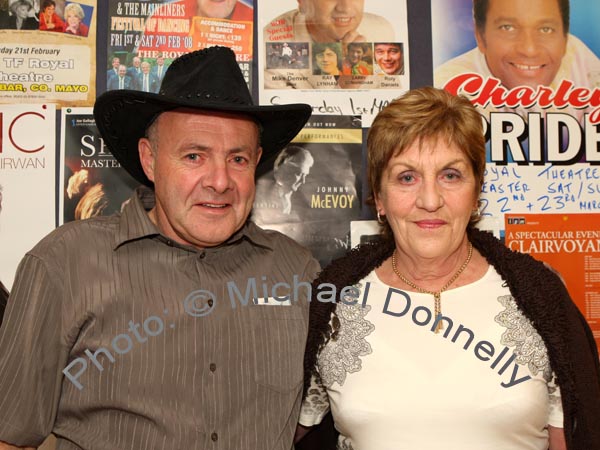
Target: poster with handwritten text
{"x":350,"y":61}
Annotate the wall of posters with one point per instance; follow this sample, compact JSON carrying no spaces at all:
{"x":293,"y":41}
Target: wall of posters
{"x":349,"y":62}
{"x":27,"y":166}
{"x":49,"y":60}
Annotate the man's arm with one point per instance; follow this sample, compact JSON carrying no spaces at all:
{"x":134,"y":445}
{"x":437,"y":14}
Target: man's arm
{"x":31,"y":356}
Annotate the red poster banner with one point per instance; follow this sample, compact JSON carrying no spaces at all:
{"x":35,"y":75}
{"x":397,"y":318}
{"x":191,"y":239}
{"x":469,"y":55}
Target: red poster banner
{"x":570,"y":243}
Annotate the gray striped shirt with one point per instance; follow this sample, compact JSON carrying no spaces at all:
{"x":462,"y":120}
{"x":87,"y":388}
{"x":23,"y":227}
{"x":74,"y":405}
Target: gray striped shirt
{"x":153,"y":374}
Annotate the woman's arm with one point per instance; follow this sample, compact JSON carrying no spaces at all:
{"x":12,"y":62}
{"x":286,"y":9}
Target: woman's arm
{"x":556,"y":436}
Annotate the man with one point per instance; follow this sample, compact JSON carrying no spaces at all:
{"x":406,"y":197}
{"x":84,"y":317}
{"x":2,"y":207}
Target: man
{"x":286,"y":54}
{"x":160,"y":69}
{"x":135,"y":70}
{"x":389,"y":58}
{"x":354,"y":63}
{"x":114,"y":70}
{"x":274,"y":195}
{"x":147,"y":81}
{"x":524,"y":44}
{"x":329,"y":21}
{"x":121,"y":81}
{"x":157,"y":327}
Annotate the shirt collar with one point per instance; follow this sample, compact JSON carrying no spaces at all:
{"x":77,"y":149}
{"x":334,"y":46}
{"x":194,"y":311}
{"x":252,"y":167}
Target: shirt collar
{"x":136,"y":224}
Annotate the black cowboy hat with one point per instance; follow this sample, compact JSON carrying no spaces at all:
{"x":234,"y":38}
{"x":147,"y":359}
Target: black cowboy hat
{"x":209,"y":80}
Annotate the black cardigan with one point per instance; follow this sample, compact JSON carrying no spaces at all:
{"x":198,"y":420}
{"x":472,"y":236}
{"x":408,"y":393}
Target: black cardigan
{"x":539,"y":294}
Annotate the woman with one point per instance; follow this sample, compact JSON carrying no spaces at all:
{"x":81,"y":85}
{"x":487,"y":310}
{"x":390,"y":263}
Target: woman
{"x":456,"y":342}
{"x":327,"y":58}
{"x":49,"y":20}
{"x":20,"y":19}
{"x":73,"y":16}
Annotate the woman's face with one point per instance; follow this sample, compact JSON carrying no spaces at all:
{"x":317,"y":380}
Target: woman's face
{"x":427,"y":194}
{"x":22,"y":11}
{"x":327,"y":62}
{"x":49,"y":10}
{"x":73,"y":19}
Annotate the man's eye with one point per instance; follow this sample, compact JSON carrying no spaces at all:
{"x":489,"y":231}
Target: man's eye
{"x":240,"y":160}
{"x":507,"y":27}
{"x":547,"y":30}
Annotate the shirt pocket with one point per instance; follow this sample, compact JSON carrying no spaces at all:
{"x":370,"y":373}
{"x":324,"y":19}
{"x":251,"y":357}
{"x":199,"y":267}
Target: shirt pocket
{"x":279,"y":337}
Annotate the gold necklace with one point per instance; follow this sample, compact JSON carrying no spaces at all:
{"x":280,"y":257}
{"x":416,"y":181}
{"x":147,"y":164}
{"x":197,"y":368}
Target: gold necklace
{"x":437,"y":296}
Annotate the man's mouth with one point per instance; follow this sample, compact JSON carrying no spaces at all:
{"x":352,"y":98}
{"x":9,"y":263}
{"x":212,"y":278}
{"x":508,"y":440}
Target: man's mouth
{"x":342,"y":21}
{"x":528,"y":67}
{"x":215,"y":205}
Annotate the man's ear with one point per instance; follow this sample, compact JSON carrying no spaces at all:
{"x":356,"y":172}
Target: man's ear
{"x":147,"y":157}
{"x":480,"y":38}
{"x":258,"y":155}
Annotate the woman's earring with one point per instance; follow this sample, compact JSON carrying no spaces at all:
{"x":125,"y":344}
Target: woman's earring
{"x":379,"y":219}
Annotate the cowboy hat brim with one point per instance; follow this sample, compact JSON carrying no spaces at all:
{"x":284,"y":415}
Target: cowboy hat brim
{"x":123,"y":116}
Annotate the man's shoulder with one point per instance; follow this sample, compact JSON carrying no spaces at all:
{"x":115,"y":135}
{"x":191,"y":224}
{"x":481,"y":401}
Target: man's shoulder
{"x":78,"y":235}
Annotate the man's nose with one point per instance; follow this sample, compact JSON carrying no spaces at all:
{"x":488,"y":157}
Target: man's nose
{"x":217,"y":177}
{"x":342,"y":5}
{"x":528,"y":42}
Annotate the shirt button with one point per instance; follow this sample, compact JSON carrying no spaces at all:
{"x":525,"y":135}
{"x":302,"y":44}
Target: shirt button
{"x":214,"y":437}
{"x":212,"y":367}
{"x":210,"y":302}
{"x":202,"y":255}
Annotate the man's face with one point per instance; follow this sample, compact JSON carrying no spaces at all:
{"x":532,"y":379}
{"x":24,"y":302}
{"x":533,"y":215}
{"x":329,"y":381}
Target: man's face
{"x":523,"y":42}
{"x":292,"y":173}
{"x":389,"y":58}
{"x":331,"y":20}
{"x":203,"y":174}
{"x":122,"y":71}
{"x":217,"y":9}
{"x":355,"y":54}
{"x":116,"y":62}
{"x":160,"y":61}
{"x":146,"y":67}
{"x":327,"y":61}
{"x":136,"y":62}
{"x":22,"y":11}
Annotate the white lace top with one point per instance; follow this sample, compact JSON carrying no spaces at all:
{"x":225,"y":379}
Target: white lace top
{"x":482,"y":383}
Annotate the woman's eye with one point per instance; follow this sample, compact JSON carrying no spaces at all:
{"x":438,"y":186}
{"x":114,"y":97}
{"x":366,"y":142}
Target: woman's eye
{"x":451,"y":176}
